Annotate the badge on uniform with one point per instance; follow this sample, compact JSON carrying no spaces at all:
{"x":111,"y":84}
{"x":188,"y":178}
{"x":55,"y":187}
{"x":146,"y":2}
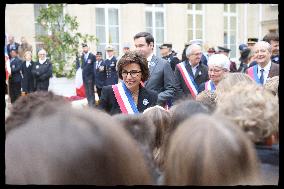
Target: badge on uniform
{"x":89,"y":61}
{"x":13,"y":66}
{"x":37,"y":66}
{"x":112,"y":64}
{"x":152,"y":63}
{"x":199,"y":73}
{"x":145,"y":102}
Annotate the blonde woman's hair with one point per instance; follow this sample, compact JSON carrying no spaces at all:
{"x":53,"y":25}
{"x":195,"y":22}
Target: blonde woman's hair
{"x":210,"y":150}
{"x":253,"y":108}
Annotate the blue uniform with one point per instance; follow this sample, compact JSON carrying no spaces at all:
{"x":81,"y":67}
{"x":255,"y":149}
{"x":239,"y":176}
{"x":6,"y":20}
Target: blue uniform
{"x":88,"y":76}
{"x":100,"y":75}
{"x":111,"y":73}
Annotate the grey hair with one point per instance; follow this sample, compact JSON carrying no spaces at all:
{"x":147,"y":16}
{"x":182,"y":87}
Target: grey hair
{"x":265,"y":44}
{"x":190,"y":48}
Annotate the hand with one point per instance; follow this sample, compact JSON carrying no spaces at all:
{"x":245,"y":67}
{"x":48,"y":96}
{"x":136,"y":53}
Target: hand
{"x":95,"y":88}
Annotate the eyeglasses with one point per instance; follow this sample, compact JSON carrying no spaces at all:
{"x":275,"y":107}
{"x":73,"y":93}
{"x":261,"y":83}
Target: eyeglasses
{"x":215,"y":70}
{"x":133,"y":73}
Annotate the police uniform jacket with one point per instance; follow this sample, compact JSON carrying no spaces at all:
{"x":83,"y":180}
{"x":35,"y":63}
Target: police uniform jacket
{"x":88,"y":67}
{"x":173,"y":60}
{"x":108,"y":102}
{"x":28,"y":83}
{"x":100,"y":74}
{"x":16,"y":65}
{"x":42,"y":73}
{"x":111,"y":73}
{"x":9,"y":48}
{"x":201,"y":75}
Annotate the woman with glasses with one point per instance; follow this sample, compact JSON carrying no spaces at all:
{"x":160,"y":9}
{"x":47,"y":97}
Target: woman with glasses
{"x":218,"y":66}
{"x":42,"y":71}
{"x":129,"y":96}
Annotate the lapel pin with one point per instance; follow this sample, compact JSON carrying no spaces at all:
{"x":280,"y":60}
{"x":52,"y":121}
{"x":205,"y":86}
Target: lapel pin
{"x":145,"y":102}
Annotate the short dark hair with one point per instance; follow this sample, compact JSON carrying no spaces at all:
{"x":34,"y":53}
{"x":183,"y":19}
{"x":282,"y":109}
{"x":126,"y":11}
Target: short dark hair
{"x":134,"y":57}
{"x":271,"y":37}
{"x":148,"y":37}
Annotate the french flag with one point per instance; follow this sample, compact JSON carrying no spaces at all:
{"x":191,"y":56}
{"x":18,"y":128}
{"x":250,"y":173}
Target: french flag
{"x":80,"y":89}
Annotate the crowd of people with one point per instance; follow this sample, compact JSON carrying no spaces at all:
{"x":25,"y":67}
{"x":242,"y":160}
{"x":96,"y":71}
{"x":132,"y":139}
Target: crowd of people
{"x":159,"y":120}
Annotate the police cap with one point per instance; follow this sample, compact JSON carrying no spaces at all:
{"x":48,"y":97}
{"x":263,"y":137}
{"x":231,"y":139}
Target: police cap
{"x":252,"y":40}
{"x":223,"y":49}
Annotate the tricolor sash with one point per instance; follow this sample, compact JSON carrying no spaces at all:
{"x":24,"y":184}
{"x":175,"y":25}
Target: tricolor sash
{"x":189,"y":81}
{"x":209,"y":86}
{"x":124,"y":99}
{"x":252,"y":72}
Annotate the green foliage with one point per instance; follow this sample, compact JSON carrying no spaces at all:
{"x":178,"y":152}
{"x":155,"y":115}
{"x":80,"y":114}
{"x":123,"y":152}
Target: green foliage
{"x":63,"y":43}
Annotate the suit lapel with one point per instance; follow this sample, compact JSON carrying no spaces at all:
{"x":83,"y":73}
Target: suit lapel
{"x":142,"y":100}
{"x":153,"y":64}
{"x":197,"y":71}
{"x":188,"y":68}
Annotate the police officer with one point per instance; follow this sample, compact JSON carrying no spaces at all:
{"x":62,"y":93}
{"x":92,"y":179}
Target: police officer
{"x":15,"y":78}
{"x":88,"y":60}
{"x":110,"y":65}
{"x":226,"y":51}
{"x":100,"y":73}
{"x":169,"y":55}
{"x":42,"y":71}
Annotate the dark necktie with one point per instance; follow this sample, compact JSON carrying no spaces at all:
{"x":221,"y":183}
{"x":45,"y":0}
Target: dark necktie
{"x":261,"y":79}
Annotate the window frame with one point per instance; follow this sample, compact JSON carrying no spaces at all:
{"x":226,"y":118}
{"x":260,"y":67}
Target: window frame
{"x":195,"y":12}
{"x":106,"y":8}
{"x":229,"y":30}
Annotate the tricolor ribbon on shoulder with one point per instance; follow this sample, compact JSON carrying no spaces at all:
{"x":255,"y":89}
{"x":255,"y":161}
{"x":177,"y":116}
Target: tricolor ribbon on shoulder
{"x":124,"y":99}
{"x":209,"y":86}
{"x":252,"y":72}
{"x":189,"y":81}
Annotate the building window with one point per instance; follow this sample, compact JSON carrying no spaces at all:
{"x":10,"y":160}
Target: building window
{"x":230,"y":28}
{"x":155,"y":24}
{"x":195,"y":21}
{"x":107,"y":28}
{"x":39,"y":30}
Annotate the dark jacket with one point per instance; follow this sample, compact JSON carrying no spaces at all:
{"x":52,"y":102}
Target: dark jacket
{"x":173,"y":60}
{"x":100,"y":74}
{"x":269,"y":159}
{"x":28,"y":83}
{"x":161,"y":80}
{"x":88,"y":67}
{"x":16,"y":66}
{"x":16,"y":46}
{"x":42,"y":73}
{"x":201,"y":76}
{"x":111,"y":73}
{"x":109,"y":104}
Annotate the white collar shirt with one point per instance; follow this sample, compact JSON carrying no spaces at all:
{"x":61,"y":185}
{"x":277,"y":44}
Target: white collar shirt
{"x":265,"y":72}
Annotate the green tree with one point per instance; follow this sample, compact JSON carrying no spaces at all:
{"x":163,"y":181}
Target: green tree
{"x":63,"y":43}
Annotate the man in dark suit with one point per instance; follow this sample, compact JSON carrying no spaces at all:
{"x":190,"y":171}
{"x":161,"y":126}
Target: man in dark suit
{"x":265,"y":68}
{"x":88,"y":60}
{"x":110,"y":66}
{"x":161,"y":79}
{"x":12,"y":45}
{"x":194,"y":67}
{"x":42,"y":71}
{"x":100,"y":73}
{"x":15,"y":78}
{"x":167,"y":54}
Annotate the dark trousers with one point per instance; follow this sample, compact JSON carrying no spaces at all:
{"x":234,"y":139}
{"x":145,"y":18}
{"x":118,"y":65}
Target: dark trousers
{"x":99,"y":91}
{"x":14,"y":90}
{"x":89,"y":89}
